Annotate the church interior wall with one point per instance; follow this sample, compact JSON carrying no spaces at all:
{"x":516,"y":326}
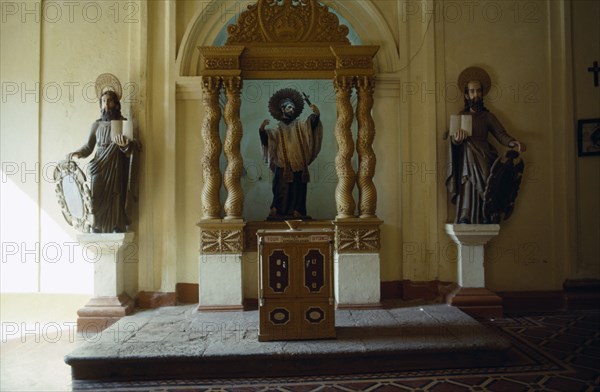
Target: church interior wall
{"x":423,"y":51}
{"x":586,"y":105}
{"x":515,"y":49}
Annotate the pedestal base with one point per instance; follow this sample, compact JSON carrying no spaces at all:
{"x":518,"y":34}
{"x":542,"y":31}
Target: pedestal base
{"x":357,"y":283}
{"x":110,"y":303}
{"x":470,"y":241}
{"x":221,"y":284}
{"x":477,"y":302}
{"x":101,"y":312}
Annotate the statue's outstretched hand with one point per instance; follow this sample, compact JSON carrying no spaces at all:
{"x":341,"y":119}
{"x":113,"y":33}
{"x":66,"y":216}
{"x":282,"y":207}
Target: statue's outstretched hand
{"x":121,"y":140}
{"x":264,"y":124}
{"x":72,"y":155}
{"x":315,"y":109}
{"x":521,"y":147}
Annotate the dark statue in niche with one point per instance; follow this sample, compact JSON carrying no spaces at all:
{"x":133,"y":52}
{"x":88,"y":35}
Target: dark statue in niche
{"x":289,"y":148}
{"x":482,"y":185}
{"x":109,"y":170}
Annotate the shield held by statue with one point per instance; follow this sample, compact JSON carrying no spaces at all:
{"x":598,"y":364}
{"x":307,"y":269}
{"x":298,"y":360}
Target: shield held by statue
{"x":502,"y":187}
{"x":74,"y":196}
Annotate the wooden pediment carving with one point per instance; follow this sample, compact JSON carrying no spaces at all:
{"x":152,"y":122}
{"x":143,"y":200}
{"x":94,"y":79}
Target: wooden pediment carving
{"x":287,"y":22}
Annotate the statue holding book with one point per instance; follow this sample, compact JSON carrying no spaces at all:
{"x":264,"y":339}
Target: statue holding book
{"x":109,"y":170}
{"x":478,"y":181}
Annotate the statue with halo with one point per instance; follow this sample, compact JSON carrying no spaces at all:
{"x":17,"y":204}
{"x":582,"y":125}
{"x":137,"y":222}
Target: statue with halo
{"x":482,"y":184}
{"x":100,"y":207}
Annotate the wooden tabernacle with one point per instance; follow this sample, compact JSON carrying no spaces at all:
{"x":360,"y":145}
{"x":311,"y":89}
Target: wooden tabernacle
{"x":296,"y":284}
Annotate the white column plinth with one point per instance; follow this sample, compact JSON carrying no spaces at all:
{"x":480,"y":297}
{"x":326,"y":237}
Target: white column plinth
{"x":470,"y":240}
{"x":356,"y":277}
{"x":106,"y":251}
{"x":221,"y":281}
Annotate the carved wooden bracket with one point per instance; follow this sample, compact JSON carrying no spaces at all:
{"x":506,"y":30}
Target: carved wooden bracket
{"x":357,"y":235}
{"x":221,"y":237}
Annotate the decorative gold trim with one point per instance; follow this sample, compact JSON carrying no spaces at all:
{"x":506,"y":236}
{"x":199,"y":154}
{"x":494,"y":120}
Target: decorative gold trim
{"x":267,"y":62}
{"x":357,"y":235}
{"x":253,"y":226}
{"x":220,"y":61}
{"x":289,"y":22}
{"x":288,"y":64}
{"x":354,"y":60}
{"x":221,"y":241}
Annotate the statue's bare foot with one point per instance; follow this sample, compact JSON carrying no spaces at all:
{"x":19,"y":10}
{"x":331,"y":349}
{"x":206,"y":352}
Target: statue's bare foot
{"x":273,"y":212}
{"x":297,"y":214}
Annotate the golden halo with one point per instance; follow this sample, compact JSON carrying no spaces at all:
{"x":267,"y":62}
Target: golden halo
{"x":108,"y":81}
{"x":475,"y":73}
{"x":279,"y":96}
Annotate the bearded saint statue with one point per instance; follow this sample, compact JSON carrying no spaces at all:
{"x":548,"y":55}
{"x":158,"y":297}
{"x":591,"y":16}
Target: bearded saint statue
{"x":108,"y":170}
{"x":471,"y":156}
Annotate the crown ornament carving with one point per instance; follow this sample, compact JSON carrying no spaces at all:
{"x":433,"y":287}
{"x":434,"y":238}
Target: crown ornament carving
{"x":287,"y":22}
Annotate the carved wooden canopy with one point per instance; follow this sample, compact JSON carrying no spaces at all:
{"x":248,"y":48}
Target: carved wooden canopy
{"x":287,"y":21}
{"x":287,"y":39}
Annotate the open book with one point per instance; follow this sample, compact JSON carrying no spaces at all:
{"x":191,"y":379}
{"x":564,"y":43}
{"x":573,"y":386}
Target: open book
{"x":461,"y":121}
{"x":121,"y":127}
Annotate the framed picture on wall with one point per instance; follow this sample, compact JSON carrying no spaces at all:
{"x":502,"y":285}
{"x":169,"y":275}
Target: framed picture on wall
{"x":588,"y":137}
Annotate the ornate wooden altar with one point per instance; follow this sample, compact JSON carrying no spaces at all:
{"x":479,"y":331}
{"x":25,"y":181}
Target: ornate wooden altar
{"x":285,"y":39}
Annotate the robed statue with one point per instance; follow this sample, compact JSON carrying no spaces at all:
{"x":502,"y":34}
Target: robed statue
{"x":289,"y":148}
{"x":481,"y":184}
{"x":109,"y":171}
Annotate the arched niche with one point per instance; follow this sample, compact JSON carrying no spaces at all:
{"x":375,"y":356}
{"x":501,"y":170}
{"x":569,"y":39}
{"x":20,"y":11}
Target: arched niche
{"x":287,"y":39}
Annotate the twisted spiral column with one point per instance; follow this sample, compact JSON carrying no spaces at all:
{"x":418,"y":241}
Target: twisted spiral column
{"x":367,"y":193}
{"x":211,"y":207}
{"x":343,"y":134}
{"x":233,"y":173}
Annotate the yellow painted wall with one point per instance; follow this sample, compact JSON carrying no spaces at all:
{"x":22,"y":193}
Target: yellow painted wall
{"x":587,"y":106}
{"x":525,"y":46}
{"x":53,"y":52}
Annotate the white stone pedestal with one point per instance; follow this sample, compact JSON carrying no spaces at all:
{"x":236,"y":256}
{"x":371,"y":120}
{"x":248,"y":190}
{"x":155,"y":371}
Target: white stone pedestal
{"x":357,"y":282}
{"x":471,"y":296}
{"x":470,"y":240}
{"x":221,"y":282}
{"x":356,"y":269}
{"x":220,"y":278}
{"x":107,"y":252}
